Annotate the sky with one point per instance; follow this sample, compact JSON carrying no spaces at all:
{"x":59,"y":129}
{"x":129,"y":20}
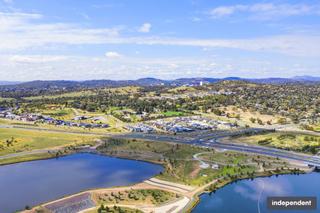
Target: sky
{"x":126,"y":39}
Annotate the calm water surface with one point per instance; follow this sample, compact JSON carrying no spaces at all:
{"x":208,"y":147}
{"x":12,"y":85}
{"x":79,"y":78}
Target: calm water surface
{"x":249,"y":196}
{"x":35,"y":182}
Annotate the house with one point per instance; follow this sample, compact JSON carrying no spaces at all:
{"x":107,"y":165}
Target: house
{"x":215,"y":166}
{"x":80,"y":118}
{"x":204,"y":165}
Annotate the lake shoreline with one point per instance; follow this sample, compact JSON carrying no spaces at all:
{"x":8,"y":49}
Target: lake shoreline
{"x":194,"y":202}
{"x":188,"y":208}
{"x":83,"y":172}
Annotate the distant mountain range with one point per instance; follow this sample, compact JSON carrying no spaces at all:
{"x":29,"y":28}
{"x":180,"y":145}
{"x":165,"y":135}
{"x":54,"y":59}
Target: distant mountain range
{"x":9,"y":82}
{"x":147,"y":82}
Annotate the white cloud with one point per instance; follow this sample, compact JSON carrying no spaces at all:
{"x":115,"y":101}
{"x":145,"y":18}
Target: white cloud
{"x":36,"y":58}
{"x":285,"y":44}
{"x":22,"y":31}
{"x":223,"y":11}
{"x":195,"y":19}
{"x":8,"y":1}
{"x":30,"y":67}
{"x":266,"y":10}
{"x":112,"y":54}
{"x":15,"y":20}
{"x":145,"y":28}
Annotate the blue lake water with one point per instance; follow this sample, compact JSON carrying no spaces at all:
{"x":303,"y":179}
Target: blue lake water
{"x":248,"y":196}
{"x":32,"y":183}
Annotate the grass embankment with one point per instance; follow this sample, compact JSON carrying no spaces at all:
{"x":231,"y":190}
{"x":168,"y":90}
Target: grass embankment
{"x":135,"y":197}
{"x":32,"y":157}
{"x":14,"y":140}
{"x":113,"y":209}
{"x":288,"y":141}
{"x":179,"y":165}
{"x":314,"y":127}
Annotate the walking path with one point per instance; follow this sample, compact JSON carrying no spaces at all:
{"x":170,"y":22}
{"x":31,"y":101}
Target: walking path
{"x":169,"y":185}
{"x":80,"y":202}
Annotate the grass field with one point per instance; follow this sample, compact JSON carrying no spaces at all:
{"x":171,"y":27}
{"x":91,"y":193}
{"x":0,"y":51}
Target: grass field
{"x":60,"y":113}
{"x":119,"y":90}
{"x":173,"y":113}
{"x":6,"y":99}
{"x":316,"y":127}
{"x":235,"y":114}
{"x":69,"y":95}
{"x":289,"y":141}
{"x":182,"y":89}
{"x":14,"y":140}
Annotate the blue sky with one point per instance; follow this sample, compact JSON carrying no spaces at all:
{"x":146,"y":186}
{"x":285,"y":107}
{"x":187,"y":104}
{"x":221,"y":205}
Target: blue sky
{"x":126,"y":39}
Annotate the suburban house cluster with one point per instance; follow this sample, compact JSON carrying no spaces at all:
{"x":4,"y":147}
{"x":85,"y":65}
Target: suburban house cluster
{"x":34,"y":117}
{"x":181,"y":124}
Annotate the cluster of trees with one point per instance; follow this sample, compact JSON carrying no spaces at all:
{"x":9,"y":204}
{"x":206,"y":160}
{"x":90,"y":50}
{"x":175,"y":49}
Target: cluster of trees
{"x":294,"y":101}
{"x":154,"y":195}
{"x":115,"y":209}
{"x":7,"y":143}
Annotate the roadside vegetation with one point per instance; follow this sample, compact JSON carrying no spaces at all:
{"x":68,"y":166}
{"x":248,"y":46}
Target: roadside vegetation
{"x":288,"y":141}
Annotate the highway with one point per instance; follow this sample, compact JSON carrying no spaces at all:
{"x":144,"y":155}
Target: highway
{"x":210,"y":140}
{"x":311,"y":160}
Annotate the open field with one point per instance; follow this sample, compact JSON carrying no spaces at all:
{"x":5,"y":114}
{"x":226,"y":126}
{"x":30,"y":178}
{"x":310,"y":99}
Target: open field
{"x":69,"y":95}
{"x":58,"y":112}
{"x":244,"y":117}
{"x":314,"y":127}
{"x":120,"y":90}
{"x":247,"y":115}
{"x":288,"y":141}
{"x":182,"y":89}
{"x":173,"y":113}
{"x":6,"y":99}
{"x":13,"y":140}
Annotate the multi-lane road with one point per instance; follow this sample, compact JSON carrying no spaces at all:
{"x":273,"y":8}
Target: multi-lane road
{"x":306,"y":159}
{"x":208,"y":140}
{"x":212,"y":141}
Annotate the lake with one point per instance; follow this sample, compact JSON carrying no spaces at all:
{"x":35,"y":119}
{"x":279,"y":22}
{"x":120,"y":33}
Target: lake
{"x":248,"y":196}
{"x":35,"y":182}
